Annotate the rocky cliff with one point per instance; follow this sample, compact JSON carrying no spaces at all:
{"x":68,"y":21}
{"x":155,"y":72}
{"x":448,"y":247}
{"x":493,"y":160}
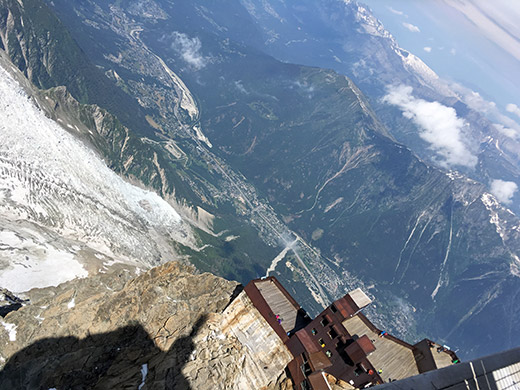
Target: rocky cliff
{"x":168,"y":328}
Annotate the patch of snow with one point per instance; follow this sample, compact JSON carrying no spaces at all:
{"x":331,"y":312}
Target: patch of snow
{"x":10,"y":239}
{"x":406,"y":243}
{"x":271,"y":11}
{"x":371,"y":25}
{"x":11,"y":330}
{"x":501,"y":226}
{"x":297,"y":41}
{"x":71,"y":304}
{"x":425,"y":74}
{"x":454,"y":175}
{"x":110,"y":263}
{"x":193,"y":355}
{"x":493,"y":206}
{"x":515,"y":266}
{"x":54,"y":268}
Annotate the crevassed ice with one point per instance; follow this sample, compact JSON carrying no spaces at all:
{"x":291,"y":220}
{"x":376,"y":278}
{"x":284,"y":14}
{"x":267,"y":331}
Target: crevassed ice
{"x":26,"y":135}
{"x":49,"y":177}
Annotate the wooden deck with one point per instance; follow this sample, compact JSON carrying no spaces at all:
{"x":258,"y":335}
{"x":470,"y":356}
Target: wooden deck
{"x":396,"y":361}
{"x":279,"y":304}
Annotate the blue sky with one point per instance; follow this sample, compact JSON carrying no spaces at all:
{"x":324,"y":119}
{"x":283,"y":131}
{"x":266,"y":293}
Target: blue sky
{"x":472,"y":42}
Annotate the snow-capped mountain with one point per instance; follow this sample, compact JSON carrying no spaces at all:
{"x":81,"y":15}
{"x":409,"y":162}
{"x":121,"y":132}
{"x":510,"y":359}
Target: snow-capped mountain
{"x":347,"y":37}
{"x":63,"y":212}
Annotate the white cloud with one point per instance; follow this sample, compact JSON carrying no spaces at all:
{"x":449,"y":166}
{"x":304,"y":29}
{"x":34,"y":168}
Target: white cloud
{"x":507,"y":131}
{"x":513,"y":108}
{"x":439,"y":125}
{"x":475,"y":101}
{"x":495,"y":20}
{"x":504,"y":190}
{"x":241,"y":88}
{"x":453,"y":51}
{"x":395,"y":11}
{"x":411,"y":27}
{"x":427,"y":49}
{"x":189,"y":49}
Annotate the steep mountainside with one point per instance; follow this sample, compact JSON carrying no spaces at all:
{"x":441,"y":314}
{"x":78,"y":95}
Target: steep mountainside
{"x":34,"y":39}
{"x":345,"y":36}
{"x":309,"y":141}
{"x":429,"y":242}
{"x":269,"y":157}
{"x":163,"y":156}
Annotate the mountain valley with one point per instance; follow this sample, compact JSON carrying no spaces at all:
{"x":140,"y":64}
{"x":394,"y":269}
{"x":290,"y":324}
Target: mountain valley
{"x":224,"y":136}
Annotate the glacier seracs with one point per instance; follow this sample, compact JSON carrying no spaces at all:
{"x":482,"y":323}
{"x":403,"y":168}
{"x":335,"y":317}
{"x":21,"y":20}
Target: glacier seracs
{"x":56,"y":194}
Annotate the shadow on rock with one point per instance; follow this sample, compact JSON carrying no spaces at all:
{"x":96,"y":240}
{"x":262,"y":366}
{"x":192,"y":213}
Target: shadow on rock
{"x":124,"y":359}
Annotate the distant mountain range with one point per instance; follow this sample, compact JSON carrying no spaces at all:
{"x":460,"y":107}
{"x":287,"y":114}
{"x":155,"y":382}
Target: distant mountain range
{"x":274,"y":133}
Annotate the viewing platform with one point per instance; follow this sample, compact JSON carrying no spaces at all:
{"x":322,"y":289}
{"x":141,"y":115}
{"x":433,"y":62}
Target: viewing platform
{"x":341,"y":344}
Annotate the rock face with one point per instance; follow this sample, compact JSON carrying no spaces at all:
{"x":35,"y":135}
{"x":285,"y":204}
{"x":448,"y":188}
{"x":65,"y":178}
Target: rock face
{"x":165,"y":329}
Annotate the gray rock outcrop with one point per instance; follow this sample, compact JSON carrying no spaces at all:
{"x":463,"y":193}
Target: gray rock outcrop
{"x":168,"y":328}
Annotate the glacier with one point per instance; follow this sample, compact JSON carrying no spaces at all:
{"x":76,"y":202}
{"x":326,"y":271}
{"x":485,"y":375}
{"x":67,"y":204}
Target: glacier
{"x":61,"y":206}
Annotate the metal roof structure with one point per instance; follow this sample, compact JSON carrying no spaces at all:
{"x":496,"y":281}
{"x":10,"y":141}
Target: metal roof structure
{"x":360,"y":298}
{"x":500,"y":371}
{"x":341,"y":342}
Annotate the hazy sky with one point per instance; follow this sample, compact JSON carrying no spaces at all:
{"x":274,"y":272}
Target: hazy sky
{"x":473,"y":42}
{"x":496,"y":20}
